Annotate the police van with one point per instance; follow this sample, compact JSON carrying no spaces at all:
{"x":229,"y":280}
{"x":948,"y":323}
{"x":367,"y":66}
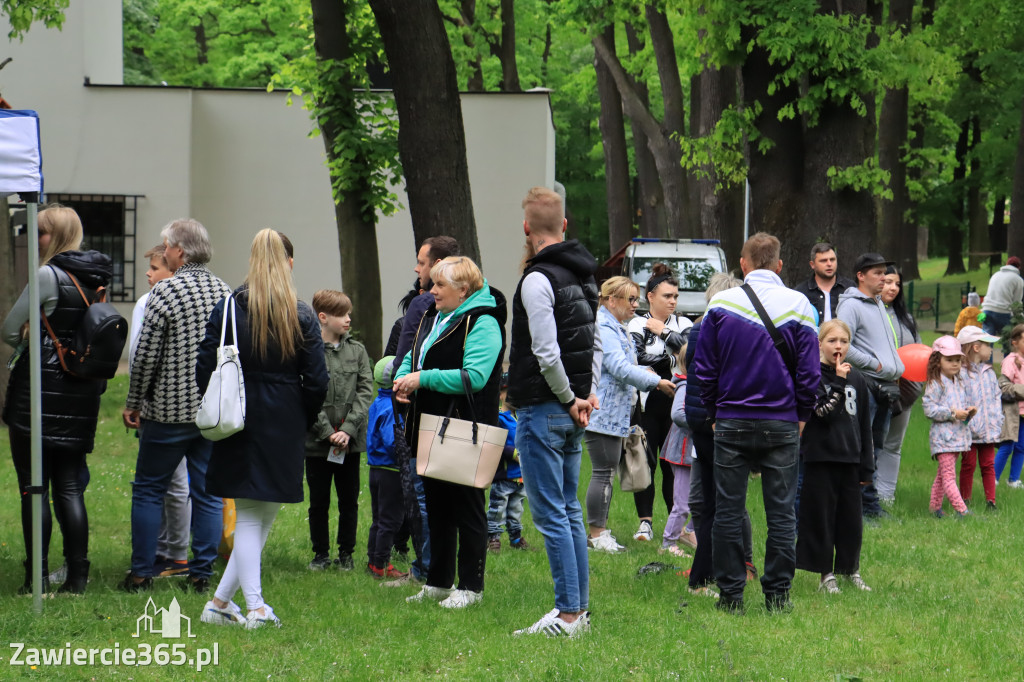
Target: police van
{"x":692,"y":261}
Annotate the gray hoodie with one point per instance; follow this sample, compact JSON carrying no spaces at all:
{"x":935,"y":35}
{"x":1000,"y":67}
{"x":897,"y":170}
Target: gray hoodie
{"x":873,"y":336}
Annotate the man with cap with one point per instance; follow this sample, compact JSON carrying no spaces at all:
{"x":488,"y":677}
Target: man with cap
{"x":1005,"y":288}
{"x":873,"y":350}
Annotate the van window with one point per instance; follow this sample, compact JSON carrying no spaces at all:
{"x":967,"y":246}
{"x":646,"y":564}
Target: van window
{"x":694,"y":274}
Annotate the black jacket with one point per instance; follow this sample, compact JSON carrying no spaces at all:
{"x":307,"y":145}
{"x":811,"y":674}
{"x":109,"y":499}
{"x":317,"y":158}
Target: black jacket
{"x":696,"y":413}
{"x":569,"y":268}
{"x":265,"y":460}
{"x":839,"y":429}
{"x":70,"y":404}
{"x":809,"y":288}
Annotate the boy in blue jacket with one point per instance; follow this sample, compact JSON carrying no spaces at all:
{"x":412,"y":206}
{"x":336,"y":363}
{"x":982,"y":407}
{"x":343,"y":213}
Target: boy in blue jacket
{"x":385,"y":481}
{"x":507,"y":491}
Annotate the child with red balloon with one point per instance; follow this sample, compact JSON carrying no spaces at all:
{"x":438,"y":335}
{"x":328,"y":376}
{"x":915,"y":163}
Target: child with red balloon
{"x":983,"y":391}
{"x":945,"y":404}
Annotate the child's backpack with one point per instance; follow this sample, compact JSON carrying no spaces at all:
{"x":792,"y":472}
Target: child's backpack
{"x":96,"y":348}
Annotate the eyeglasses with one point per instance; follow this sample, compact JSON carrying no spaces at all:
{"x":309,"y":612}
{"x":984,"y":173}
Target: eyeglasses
{"x":633,"y":300}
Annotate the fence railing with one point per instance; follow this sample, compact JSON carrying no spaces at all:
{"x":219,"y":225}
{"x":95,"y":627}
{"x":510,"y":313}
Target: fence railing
{"x":936,"y":303}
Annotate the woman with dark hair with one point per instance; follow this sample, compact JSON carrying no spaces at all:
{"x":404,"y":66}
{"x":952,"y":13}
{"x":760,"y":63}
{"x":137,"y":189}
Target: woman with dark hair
{"x":70,"y":405}
{"x":887,"y":468}
{"x":658,"y":335}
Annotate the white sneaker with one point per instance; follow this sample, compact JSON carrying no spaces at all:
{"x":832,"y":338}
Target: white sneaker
{"x":229,"y":615}
{"x":254,"y":620}
{"x":828,"y":585}
{"x":605,"y":543}
{"x":858,"y":582}
{"x":460,"y":599}
{"x":403,"y":581}
{"x":645,"y":533}
{"x":553,"y":626}
{"x":429,"y":593}
{"x":1015,"y":484}
{"x":688,"y":538}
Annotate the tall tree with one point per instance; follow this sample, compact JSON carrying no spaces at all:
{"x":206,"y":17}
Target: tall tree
{"x":616,"y":158}
{"x":431,"y":136}
{"x":649,"y":198}
{"x":1015,"y":232}
{"x":892,"y":136}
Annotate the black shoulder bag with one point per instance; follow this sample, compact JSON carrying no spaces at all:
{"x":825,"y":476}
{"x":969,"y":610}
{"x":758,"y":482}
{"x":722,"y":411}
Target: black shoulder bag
{"x":780,"y":343}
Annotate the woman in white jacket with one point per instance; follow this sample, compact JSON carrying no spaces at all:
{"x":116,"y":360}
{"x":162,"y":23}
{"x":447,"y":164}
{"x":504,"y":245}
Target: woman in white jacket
{"x":616,"y":392}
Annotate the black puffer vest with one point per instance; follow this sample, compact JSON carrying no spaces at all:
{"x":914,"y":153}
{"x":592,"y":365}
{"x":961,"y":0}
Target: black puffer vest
{"x":569,"y":268}
{"x":70,"y":405}
{"x":447,"y":353}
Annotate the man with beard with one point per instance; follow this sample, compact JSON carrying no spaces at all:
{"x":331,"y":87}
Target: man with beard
{"x":824,"y":287}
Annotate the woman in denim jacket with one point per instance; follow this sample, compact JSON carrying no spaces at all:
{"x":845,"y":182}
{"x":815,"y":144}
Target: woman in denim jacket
{"x":616,"y":392}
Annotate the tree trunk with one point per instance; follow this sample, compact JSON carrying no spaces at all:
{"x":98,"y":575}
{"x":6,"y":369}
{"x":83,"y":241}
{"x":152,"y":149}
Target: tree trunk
{"x":892,"y":136}
{"x":908,"y":237}
{"x":616,"y":158}
{"x":1015,"y":233}
{"x":650,"y":201}
{"x":356,"y":219}
{"x":721,"y":210}
{"x":978,"y":238}
{"x":776,"y":176}
{"x":955,"y":233}
{"x":667,"y":153}
{"x":997,"y":232}
{"x":431,"y":135}
{"x":674,"y":121}
{"x":509,"y":70}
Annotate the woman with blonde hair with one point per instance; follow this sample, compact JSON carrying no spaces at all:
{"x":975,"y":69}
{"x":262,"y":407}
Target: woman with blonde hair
{"x":70,"y":405}
{"x":621,"y":376}
{"x":261,"y":466}
{"x":464,"y":333}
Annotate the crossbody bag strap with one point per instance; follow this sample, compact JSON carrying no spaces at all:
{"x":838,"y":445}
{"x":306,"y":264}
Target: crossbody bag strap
{"x":780,"y":343}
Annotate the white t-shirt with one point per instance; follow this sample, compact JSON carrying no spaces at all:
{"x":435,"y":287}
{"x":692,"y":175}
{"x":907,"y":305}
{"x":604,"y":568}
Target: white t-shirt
{"x":655,"y":346}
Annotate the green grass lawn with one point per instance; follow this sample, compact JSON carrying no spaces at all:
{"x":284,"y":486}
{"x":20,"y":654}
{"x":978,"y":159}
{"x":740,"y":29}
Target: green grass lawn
{"x":946,"y":604}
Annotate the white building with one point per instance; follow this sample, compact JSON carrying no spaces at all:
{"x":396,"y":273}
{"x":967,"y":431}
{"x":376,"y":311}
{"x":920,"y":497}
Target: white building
{"x":130,"y":159}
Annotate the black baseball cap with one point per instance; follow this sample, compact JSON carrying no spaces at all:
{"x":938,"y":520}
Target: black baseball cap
{"x":866,"y":261}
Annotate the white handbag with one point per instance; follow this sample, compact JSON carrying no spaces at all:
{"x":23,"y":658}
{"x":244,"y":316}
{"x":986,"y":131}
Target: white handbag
{"x":222,"y":412}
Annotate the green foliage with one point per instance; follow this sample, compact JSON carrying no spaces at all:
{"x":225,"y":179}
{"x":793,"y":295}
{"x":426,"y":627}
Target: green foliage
{"x":210,"y":43}
{"x":21,"y":14}
{"x":866,"y":176}
{"x":361,"y":125}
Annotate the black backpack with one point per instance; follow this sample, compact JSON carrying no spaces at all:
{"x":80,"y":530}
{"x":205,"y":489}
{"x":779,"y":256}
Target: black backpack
{"x":95,"y":351}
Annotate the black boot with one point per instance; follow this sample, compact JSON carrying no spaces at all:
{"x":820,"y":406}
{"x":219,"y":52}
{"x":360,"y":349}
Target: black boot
{"x":27,"y":587}
{"x":78,"y":576}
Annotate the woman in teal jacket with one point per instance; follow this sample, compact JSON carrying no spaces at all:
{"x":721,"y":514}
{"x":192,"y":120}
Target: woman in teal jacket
{"x":464,"y":331}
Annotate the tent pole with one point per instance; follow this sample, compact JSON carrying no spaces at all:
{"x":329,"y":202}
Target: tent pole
{"x":35,"y":376}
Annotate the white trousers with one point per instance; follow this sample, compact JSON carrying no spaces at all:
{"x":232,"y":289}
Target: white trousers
{"x":253,"y":519}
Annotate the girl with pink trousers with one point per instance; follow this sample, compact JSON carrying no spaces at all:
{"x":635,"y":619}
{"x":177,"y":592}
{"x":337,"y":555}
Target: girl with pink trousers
{"x":945,"y":404}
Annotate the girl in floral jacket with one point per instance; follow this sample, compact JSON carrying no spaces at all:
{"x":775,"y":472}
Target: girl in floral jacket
{"x":945,"y":404}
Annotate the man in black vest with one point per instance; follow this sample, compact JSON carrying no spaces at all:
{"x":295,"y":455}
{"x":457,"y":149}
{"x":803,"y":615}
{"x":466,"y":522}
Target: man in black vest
{"x":552,"y":383}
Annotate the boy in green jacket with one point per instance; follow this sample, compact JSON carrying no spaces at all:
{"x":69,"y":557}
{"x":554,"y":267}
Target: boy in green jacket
{"x":334,"y":445}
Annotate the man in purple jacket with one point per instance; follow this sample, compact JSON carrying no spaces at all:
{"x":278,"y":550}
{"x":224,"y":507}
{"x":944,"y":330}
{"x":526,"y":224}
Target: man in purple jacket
{"x":758,"y":401}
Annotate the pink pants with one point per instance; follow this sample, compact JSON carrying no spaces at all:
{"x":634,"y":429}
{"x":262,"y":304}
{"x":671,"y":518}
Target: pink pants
{"x":945,"y":484}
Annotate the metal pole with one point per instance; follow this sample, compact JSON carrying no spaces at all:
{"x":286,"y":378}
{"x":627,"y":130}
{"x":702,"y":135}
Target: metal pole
{"x":35,"y":383}
{"x":746,"y":211}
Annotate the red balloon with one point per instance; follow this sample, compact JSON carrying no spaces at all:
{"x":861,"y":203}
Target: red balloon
{"x":915,"y":360}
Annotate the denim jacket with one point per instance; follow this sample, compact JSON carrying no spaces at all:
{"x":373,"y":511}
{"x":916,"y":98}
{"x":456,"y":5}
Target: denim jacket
{"x":620,"y":378}
{"x":940,"y":399}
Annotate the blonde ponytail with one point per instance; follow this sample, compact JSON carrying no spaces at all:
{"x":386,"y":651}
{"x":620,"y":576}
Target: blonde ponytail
{"x":273,"y":303}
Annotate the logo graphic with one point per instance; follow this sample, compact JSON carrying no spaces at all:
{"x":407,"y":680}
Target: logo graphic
{"x":163,"y":622}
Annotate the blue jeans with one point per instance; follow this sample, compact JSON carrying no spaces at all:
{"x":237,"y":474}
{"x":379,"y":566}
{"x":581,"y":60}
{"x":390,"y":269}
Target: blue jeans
{"x":994,"y":324}
{"x":1017,"y":450}
{"x":506,"y":506}
{"x":421,"y":565}
{"x":550,"y":450}
{"x":774,"y":447}
{"x":880,"y":418}
{"x":161,"y":448}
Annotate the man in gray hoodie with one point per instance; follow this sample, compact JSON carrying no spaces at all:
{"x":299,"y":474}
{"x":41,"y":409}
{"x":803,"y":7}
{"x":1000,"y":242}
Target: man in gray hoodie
{"x":873,"y":350}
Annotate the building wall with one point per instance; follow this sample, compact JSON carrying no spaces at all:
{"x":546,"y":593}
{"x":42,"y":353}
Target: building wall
{"x":241,"y":160}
